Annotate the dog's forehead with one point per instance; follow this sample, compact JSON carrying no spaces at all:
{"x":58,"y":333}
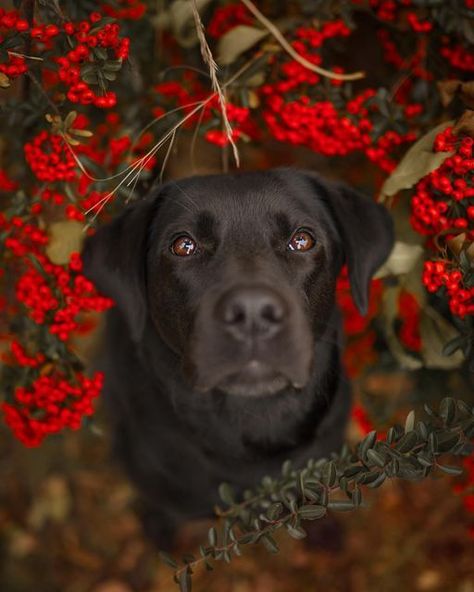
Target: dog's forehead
{"x":228,"y":199}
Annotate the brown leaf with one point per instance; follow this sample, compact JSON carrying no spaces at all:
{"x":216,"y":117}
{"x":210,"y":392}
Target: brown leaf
{"x":456,"y":243}
{"x":233,"y":43}
{"x":4,"y":80}
{"x":65,"y":238}
{"x":447,"y":90}
{"x":466,"y":94}
{"x":435,"y":332}
{"x":465,"y":124}
{"x":401,"y":260}
{"x":470,"y":252}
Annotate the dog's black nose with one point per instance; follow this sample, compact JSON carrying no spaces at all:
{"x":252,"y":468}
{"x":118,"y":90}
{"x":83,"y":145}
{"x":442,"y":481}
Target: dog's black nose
{"x":252,"y":312}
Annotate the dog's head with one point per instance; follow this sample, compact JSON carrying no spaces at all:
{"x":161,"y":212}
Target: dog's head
{"x":237,"y":273}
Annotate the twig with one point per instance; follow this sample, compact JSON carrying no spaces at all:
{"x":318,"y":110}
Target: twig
{"x":216,"y":87}
{"x":22,"y":55}
{"x":138,"y":166}
{"x":294,"y":54}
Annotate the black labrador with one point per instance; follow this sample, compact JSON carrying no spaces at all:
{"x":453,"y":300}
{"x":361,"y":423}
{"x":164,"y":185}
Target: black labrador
{"x":222,"y":356}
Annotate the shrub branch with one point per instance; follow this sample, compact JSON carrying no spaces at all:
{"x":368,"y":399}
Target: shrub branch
{"x":410,"y":453}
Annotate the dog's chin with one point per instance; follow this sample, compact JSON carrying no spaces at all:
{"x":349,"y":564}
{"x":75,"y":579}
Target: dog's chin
{"x":255,"y":379}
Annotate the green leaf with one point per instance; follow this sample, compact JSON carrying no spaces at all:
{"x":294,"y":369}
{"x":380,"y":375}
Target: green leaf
{"x":341,"y":505}
{"x":168,"y":559}
{"x":410,"y":421}
{"x":212,"y":537}
{"x":407,"y":442}
{"x":185,"y":584}
{"x":450,"y":470}
{"x":269,"y":543}
{"x":274,"y":511}
{"x":226,"y":493}
{"x":329,"y":474}
{"x":447,"y":409}
{"x":367,"y":443}
{"x":376,"y":458}
{"x":378,"y":481}
{"x":311,"y":512}
{"x":296,"y":532}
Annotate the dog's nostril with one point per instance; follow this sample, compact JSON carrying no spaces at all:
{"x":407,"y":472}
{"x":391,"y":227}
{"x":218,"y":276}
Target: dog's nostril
{"x":272,"y":312}
{"x":252,"y":312}
{"x":234,"y":314}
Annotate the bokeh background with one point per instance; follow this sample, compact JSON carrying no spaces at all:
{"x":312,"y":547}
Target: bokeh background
{"x":67,"y":520}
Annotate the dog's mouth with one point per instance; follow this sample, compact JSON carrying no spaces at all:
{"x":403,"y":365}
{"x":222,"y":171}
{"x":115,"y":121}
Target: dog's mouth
{"x":254,"y":379}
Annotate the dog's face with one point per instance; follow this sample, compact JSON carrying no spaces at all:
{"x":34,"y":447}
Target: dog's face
{"x":238,"y":272}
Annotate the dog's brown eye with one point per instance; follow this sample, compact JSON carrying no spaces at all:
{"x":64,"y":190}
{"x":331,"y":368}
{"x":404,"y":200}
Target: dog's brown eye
{"x":183,"y":246}
{"x":301,"y":241}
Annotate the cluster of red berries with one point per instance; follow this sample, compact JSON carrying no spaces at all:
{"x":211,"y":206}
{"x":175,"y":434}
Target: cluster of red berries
{"x":239,"y":117}
{"x":22,"y":238}
{"x":10,"y":21}
{"x":50,"y":158}
{"x":443,"y":204}
{"x":21,"y":358}
{"x":226,"y":18}
{"x":444,"y":199}
{"x":125,"y":10}
{"x":458,"y":56}
{"x":50,"y":404}
{"x":86,"y":38}
{"x":89,"y":35}
{"x":446,"y":274}
{"x":322,"y":128}
{"x":59,"y":295}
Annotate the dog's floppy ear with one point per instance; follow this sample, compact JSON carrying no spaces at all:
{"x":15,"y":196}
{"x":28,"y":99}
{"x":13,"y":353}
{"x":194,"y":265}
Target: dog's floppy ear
{"x":366,"y":231}
{"x":115,"y":261}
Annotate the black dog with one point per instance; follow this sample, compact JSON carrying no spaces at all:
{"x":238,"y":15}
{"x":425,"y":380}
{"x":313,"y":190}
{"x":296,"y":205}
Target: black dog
{"x":223,"y":353}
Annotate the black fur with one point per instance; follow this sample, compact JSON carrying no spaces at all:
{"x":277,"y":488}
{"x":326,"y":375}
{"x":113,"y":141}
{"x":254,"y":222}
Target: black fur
{"x":188,"y":410}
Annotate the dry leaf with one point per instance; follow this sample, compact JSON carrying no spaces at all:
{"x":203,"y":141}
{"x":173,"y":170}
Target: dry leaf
{"x":65,"y":238}
{"x":435,"y":333}
{"x":465,"y":124}
{"x":401,"y":260}
{"x":447,"y":90}
{"x":456,"y":243}
{"x":417,"y":162}
{"x":236,"y":41}
{"x":4,"y":80}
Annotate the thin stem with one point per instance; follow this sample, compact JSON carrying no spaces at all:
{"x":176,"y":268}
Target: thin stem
{"x":294,"y":54}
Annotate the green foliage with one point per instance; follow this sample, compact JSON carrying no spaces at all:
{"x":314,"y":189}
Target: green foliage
{"x":411,"y":453}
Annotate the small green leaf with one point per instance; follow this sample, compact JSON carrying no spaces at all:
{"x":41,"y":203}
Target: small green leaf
{"x":226,"y":493}
{"x":168,"y":559}
{"x":376,"y":458}
{"x":329,"y":474}
{"x":184,"y":581}
{"x":310,"y":512}
{"x":407,"y":442}
{"x":296,"y":532}
{"x":274,"y":511}
{"x":269,"y":543}
{"x":341,"y":505}
{"x":367,"y":443}
{"x":451,"y":470}
{"x":212,"y":537}
{"x":410,"y":422}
